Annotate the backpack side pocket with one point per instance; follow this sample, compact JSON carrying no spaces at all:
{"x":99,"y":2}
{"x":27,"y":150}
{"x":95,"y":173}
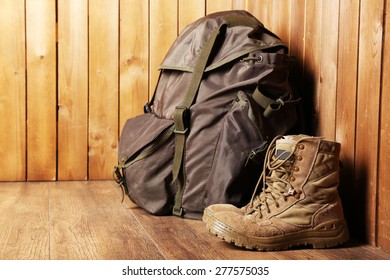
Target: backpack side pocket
{"x":233,"y":175}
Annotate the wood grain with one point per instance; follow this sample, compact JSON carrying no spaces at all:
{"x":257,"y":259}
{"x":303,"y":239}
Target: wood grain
{"x":218,"y":5}
{"x":163,"y":32}
{"x":383,"y":222}
{"x":190,"y":11}
{"x":279,"y":21}
{"x":186,"y":239}
{"x":134,"y":60}
{"x":328,"y":72}
{"x":297,"y":50}
{"x":103,"y":87}
{"x":239,"y":4}
{"x":62,"y":107}
{"x":41,"y":90}
{"x":12,"y":92}
{"x":367,"y":128}
{"x":84,"y":220}
{"x":312,"y":60}
{"x":255,"y":8}
{"x":87,"y":221}
{"x":346,"y":102}
{"x":260,"y":9}
{"x":72,"y":89}
{"x":24,"y":231}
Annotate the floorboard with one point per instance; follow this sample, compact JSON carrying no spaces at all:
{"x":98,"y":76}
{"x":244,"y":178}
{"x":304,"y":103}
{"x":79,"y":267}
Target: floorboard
{"x":87,"y":221}
{"x":24,"y":212}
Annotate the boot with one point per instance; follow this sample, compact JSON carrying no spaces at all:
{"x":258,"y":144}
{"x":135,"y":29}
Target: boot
{"x":299,"y":203}
{"x":210,"y":210}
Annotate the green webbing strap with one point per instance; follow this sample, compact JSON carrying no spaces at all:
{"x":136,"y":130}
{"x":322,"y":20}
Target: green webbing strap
{"x":235,"y":20}
{"x":181,"y":115}
{"x":271,"y":106}
{"x":181,"y":118}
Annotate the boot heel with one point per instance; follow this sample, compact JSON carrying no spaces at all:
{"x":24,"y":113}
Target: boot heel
{"x":341,"y":235}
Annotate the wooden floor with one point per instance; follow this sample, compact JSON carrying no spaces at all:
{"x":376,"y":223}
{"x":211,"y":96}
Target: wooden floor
{"x":86,"y":220}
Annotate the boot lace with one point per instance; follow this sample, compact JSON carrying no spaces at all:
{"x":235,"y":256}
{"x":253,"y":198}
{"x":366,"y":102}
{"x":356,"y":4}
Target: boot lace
{"x":274,"y":181}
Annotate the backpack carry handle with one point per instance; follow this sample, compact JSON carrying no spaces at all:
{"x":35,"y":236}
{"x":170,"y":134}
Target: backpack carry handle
{"x":272,"y":106}
{"x":234,"y":20}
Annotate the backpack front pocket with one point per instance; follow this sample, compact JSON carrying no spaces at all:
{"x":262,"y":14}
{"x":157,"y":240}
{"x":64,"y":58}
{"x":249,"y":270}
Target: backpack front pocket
{"x":148,"y":178}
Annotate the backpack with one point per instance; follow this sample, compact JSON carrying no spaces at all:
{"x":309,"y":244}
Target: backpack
{"x":222,"y":95}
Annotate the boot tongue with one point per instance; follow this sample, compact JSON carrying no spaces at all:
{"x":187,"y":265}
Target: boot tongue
{"x":286,"y":146}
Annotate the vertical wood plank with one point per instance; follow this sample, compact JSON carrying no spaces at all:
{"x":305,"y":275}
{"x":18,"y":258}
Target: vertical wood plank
{"x":279,"y":12}
{"x":240,"y":4}
{"x":370,"y":46}
{"x":213,"y":6}
{"x":12,"y":92}
{"x":134,"y":60}
{"x":328,"y":72}
{"x":260,"y":9}
{"x":254,"y":7}
{"x":72,"y":89}
{"x":312,"y":60}
{"x":163,"y":32}
{"x":41,"y":90}
{"x":297,"y":44}
{"x":103,"y":87}
{"x":346,"y":102}
{"x":383,"y":221}
{"x":189,"y":11}
{"x":297,"y":30}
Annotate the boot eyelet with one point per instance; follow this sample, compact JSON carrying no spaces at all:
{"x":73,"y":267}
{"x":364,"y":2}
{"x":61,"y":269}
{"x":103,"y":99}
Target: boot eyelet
{"x":300,"y":146}
{"x":292,"y":178}
{"x":296,"y":168}
{"x":299,"y":158}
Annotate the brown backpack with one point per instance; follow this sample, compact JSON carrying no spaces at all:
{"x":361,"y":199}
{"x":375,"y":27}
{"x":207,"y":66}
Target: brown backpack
{"x":222,"y":95}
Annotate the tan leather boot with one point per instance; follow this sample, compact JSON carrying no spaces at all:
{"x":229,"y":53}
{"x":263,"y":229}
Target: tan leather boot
{"x":299,"y":203}
{"x":209,"y":211}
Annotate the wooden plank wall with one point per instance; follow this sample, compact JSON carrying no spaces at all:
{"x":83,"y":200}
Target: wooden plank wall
{"x":12,"y":91}
{"x":72,"y":92}
{"x":73,"y":71}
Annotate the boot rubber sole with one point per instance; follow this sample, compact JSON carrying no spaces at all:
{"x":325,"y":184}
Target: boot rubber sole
{"x":326,"y":235}
{"x":207,"y":214}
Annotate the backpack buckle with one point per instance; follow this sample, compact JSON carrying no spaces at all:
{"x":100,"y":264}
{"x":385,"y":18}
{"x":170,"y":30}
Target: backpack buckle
{"x":182,"y":120}
{"x":177,"y":212}
{"x":180,"y":131}
{"x":120,"y":180}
